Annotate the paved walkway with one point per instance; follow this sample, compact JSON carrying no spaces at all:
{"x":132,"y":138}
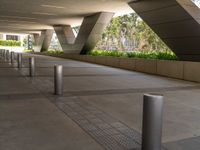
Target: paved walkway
{"x":101,"y":108}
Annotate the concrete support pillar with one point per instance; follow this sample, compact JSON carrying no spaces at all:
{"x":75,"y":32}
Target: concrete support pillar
{"x":176,"y":22}
{"x":36,"y":38}
{"x":43,"y":41}
{"x":65,"y":34}
{"x":66,"y":37}
{"x":47,"y":39}
{"x":90,"y":33}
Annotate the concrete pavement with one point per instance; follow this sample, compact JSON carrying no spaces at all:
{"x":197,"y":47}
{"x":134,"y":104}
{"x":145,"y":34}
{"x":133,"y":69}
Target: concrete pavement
{"x":101,"y":108}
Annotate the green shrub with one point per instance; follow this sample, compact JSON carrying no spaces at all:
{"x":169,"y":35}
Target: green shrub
{"x":55,"y":52}
{"x":27,"y":51}
{"x":165,"y":55}
{"x":107,"y":53}
{"x":10,"y":43}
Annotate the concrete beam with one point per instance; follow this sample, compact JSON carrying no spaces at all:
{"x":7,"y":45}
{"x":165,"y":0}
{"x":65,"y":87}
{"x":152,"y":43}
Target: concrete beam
{"x":42,"y":41}
{"x":175,"y":22}
{"x":88,"y":36}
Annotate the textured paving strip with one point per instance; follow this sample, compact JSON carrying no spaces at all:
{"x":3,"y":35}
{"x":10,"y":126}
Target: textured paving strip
{"x":109,"y":132}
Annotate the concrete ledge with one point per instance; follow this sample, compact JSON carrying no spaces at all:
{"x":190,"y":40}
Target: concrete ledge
{"x":146,"y":66}
{"x":170,"y":68}
{"x":112,"y":61}
{"x":192,"y":71}
{"x":91,"y":59}
{"x":82,"y":58}
{"x":100,"y":60}
{"x":127,"y":63}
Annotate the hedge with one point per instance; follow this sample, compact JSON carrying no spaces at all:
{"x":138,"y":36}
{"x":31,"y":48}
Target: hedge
{"x":165,"y":55}
{"x":10,"y":43}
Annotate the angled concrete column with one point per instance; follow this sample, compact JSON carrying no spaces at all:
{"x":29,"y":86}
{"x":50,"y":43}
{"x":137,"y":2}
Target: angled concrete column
{"x":36,"y":38}
{"x":176,"y":22}
{"x":66,"y":37}
{"x":88,"y":36}
{"x":43,"y":41}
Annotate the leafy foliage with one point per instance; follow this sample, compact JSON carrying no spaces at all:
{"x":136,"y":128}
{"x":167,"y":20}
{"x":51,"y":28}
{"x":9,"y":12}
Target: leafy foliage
{"x":54,"y":52}
{"x":129,"y":36}
{"x":10,"y":43}
{"x":129,"y":33}
{"x":27,"y":51}
{"x":107,"y":53}
{"x":164,"y":55}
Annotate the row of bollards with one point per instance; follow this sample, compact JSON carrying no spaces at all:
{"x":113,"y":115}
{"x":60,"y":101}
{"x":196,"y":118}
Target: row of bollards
{"x":152,"y":106}
{"x":7,"y":56}
{"x":58,"y":69}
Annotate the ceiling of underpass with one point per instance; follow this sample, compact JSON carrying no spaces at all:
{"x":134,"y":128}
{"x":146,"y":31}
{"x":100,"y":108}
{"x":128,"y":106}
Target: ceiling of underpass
{"x":34,"y":15}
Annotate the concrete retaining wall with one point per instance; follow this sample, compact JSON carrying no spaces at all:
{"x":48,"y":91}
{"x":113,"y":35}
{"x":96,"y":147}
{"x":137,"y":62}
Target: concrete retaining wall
{"x":183,"y":70}
{"x":174,"y":69}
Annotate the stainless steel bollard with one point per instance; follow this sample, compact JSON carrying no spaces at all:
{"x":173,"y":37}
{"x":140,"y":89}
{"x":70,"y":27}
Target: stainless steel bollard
{"x":32,"y":67}
{"x":1,"y":52}
{"x":4,"y":53}
{"x":7,"y":55}
{"x":58,"y":79}
{"x":19,"y":60}
{"x":12,"y":56}
{"x":152,"y":122}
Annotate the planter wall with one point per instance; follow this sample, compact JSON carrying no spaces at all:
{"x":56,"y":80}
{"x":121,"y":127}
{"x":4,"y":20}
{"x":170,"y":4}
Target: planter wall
{"x":146,"y":66}
{"x":100,"y":60}
{"x":168,"y":68}
{"x":192,"y":71}
{"x":183,"y":70}
{"x":127,"y":63}
{"x":113,"y":61}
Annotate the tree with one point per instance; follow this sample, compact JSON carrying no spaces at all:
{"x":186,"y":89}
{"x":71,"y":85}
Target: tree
{"x":129,"y":32}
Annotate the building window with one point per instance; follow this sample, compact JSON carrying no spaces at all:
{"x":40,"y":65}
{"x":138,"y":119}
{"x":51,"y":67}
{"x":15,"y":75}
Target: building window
{"x":12,"y":37}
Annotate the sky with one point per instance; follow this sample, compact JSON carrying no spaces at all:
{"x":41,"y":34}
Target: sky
{"x":197,"y":2}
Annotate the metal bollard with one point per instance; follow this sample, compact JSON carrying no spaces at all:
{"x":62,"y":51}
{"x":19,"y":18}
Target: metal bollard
{"x":152,"y":122}
{"x":12,"y":56}
{"x":7,"y":55}
{"x":19,"y":60}
{"x":4,"y":53}
{"x":32,"y":67}
{"x":58,"y":79}
{"x":1,"y":52}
